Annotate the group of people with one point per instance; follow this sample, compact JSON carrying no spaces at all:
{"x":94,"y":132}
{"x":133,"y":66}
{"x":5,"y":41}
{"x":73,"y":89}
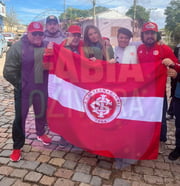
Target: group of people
{"x":26,"y":72}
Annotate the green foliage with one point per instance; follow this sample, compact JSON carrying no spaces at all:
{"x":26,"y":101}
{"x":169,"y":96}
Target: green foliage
{"x":172,"y":13}
{"x":74,"y":13}
{"x":141,"y":15}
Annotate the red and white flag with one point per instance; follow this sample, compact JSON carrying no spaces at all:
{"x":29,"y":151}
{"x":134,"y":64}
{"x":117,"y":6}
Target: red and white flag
{"x":112,"y":110}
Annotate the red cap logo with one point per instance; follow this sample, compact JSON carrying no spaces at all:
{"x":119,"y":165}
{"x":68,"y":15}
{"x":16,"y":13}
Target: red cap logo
{"x":74,"y":29}
{"x":150,"y":26}
{"x":35,"y":27}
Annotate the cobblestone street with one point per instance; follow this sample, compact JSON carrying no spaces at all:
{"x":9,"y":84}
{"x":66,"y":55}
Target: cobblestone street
{"x":51,"y":165}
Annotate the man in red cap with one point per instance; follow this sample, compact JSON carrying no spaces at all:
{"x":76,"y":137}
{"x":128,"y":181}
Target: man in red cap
{"x":151,"y":51}
{"x":23,"y":69}
{"x":73,"y":41}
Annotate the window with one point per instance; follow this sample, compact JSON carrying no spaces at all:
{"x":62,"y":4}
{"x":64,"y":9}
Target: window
{"x":114,"y":30}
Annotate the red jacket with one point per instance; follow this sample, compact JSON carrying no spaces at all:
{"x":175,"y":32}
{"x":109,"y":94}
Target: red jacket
{"x":155,"y":53}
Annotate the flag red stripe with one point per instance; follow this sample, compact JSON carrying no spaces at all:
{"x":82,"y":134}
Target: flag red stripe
{"x":121,"y":138}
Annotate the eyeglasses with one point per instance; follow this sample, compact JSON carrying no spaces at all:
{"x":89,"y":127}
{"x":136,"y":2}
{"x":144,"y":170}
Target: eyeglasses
{"x":37,"y":33}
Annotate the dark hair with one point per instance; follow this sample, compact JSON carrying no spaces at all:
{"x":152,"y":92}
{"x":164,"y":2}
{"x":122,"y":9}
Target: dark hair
{"x":124,"y":31}
{"x":158,"y":36}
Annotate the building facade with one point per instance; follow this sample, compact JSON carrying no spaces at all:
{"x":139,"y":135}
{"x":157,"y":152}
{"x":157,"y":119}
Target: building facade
{"x":2,"y":15}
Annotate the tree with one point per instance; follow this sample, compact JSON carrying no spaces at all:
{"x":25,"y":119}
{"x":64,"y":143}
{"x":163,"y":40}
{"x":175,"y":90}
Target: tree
{"x":11,"y":19}
{"x":142,"y":15}
{"x":172,"y":13}
{"x":74,"y":13}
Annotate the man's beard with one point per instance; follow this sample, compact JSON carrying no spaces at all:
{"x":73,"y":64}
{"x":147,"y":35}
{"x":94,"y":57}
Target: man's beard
{"x":149,"y":43}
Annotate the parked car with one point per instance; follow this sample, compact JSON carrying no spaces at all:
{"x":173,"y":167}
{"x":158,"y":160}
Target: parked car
{"x":3,"y":45}
{"x":10,"y":37}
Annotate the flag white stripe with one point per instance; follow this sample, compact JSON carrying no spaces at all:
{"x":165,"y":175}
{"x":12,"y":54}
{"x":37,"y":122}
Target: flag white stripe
{"x":133,"y":108}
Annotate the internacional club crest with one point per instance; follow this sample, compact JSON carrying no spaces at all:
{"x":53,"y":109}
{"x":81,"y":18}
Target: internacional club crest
{"x":102,"y":105}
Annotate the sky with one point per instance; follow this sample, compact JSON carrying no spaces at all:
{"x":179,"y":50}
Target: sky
{"x":32,"y":10}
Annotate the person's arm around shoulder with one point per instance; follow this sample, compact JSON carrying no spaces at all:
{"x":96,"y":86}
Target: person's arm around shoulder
{"x":12,"y":66}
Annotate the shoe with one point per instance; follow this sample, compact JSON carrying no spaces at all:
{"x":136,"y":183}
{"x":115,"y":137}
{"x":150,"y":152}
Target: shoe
{"x":63,"y":143}
{"x":162,"y":147}
{"x":15,"y":155}
{"x":45,"y":139}
{"x":175,"y":154}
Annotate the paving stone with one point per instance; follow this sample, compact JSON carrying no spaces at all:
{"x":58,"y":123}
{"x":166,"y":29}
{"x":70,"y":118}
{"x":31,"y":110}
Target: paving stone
{"x":84,"y":184}
{"x":162,"y":165}
{"x":57,"y":154}
{"x":31,"y":156}
{"x":134,"y":183}
{"x":101,"y":172}
{"x":5,"y":170}
{"x":32,"y":165}
{"x":81,"y":177}
{"x":27,"y":148}
{"x":4,"y":160}
{"x":169,"y":180}
{"x":64,"y":173}
{"x":8,"y":146}
{"x":33,"y":176}
{"x":89,"y":161}
{"x":21,"y":183}
{"x":143,"y":170}
{"x":7,"y":181}
{"x":83,"y":168}
{"x":131,"y":175}
{"x":16,"y":164}
{"x":57,"y":161}
{"x":147,"y":163}
{"x":105,"y":164}
{"x":72,"y":156}
{"x":153,"y":179}
{"x":163,"y":173}
{"x":69,"y":164}
{"x":19,"y":173}
{"x":76,"y":150}
{"x":176,"y":175}
{"x":96,"y":181}
{"x":89,"y":155}
{"x":121,"y":182}
{"x":3,"y":135}
{"x":46,"y":169}
{"x":64,"y":182}
{"x":43,"y":158}
{"x":46,"y":180}
{"x":5,"y":153}
{"x":175,"y":168}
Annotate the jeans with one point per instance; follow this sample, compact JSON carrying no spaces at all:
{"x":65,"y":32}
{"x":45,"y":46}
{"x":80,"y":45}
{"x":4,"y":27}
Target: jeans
{"x":38,"y":99}
{"x":177,"y":121}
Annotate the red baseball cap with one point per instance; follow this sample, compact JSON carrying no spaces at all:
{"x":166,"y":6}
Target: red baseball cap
{"x":74,"y":29}
{"x":35,"y":27}
{"x":105,"y":38}
{"x":150,"y":26}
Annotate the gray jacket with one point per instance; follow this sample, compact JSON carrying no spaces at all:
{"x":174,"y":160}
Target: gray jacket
{"x":56,"y":38}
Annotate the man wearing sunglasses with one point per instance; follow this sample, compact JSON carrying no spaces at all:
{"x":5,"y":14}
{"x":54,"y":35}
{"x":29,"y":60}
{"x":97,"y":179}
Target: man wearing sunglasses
{"x":73,"y":41}
{"x":23,"y":69}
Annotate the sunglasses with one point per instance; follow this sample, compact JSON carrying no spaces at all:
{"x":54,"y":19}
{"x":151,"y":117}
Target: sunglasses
{"x":76,"y":35}
{"x":37,"y":33}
